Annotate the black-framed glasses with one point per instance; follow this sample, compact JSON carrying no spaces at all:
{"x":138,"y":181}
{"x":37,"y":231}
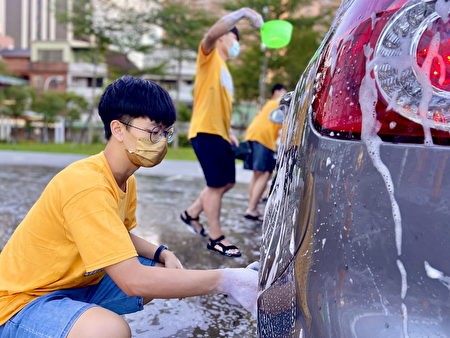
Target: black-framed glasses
{"x":157,"y":133}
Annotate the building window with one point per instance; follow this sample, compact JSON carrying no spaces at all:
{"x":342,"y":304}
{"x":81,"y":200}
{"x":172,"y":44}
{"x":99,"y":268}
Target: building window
{"x":98,"y":81}
{"x":50,"y":55}
{"x":169,"y":85}
{"x":79,"y":82}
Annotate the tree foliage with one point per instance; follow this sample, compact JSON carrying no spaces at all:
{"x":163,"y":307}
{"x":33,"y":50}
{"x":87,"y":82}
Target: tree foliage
{"x":107,"y":23}
{"x":4,"y":68}
{"x":183,"y":26}
{"x":283,"y":65}
{"x":49,"y":104}
{"x":16,"y":100}
{"x":74,"y":106}
{"x":304,"y":43}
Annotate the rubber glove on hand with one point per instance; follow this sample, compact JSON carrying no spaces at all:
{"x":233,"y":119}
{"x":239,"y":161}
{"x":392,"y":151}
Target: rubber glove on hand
{"x":241,"y":284}
{"x":255,"y":19}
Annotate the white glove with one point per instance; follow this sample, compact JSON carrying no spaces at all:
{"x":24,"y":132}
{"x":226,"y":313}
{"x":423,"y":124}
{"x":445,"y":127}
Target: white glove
{"x":253,"y":17}
{"x":253,"y":266}
{"x":241,"y":285}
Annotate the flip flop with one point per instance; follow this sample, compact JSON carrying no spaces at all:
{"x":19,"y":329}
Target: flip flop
{"x":251,"y":217}
{"x":187,"y":219}
{"x":224,"y":249}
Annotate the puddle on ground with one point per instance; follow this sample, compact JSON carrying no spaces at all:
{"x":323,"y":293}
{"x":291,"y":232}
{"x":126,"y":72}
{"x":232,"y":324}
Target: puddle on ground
{"x":160,"y":201}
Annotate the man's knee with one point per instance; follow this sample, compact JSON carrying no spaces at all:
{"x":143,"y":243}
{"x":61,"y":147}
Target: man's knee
{"x":100,"y":322}
{"x":229,"y":186}
{"x":216,"y":191}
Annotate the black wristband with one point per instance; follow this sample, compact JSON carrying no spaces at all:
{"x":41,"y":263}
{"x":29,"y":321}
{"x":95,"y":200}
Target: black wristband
{"x":158,"y":251}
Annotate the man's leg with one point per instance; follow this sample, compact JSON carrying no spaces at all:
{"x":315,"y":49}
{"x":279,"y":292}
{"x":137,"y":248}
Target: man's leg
{"x":260,"y":183}
{"x":91,"y":311}
{"x":100,"y":322}
{"x":263,"y":163}
{"x":217,"y":161}
{"x":251,"y":185}
{"x":194,"y":211}
{"x":212,"y":203}
{"x":64,"y":313}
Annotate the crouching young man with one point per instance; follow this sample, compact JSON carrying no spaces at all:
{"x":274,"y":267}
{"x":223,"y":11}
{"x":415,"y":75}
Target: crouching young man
{"x":72,"y":267}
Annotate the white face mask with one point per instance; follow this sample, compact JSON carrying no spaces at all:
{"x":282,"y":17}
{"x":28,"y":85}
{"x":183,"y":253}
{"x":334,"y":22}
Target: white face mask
{"x":233,"y":51}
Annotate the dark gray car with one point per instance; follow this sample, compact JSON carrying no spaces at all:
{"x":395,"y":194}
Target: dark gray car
{"x":357,"y":228}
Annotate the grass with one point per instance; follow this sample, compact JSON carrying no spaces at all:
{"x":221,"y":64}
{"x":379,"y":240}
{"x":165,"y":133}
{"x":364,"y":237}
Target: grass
{"x":182,"y":153}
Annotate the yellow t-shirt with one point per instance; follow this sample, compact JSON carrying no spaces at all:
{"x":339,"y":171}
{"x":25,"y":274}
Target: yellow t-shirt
{"x":213,"y":96}
{"x":79,"y":225}
{"x":262,"y":129}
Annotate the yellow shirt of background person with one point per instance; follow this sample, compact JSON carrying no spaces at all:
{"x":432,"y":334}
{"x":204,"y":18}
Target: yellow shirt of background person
{"x":213,"y":96}
{"x":66,"y":239}
{"x":262,"y":129}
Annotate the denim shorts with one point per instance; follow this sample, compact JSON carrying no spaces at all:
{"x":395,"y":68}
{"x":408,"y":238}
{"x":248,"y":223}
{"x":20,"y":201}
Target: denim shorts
{"x":260,"y":159}
{"x":216,"y":158}
{"x":54,"y":314}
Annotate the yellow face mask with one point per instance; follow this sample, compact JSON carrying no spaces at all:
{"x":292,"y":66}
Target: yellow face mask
{"x":147,"y":154}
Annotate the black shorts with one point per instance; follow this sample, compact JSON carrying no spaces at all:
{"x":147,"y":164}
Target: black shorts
{"x":216,"y":159}
{"x":260,"y":159}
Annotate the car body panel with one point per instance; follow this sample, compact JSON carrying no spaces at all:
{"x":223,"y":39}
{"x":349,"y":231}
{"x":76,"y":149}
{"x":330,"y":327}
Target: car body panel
{"x":355,"y":239}
{"x":346,"y":265}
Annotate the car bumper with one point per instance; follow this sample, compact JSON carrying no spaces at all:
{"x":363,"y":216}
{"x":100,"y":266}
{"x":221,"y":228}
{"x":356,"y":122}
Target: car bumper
{"x":352,"y":250}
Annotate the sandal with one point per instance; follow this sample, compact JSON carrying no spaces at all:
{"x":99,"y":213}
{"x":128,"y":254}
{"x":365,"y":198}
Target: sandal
{"x":251,"y":217}
{"x":224,"y":249}
{"x":187,"y":219}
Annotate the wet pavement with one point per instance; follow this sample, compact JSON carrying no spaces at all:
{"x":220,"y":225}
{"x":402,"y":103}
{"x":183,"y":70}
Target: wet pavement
{"x":161,"y":197}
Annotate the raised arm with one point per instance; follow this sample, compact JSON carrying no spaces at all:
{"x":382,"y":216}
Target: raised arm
{"x":226,"y":23}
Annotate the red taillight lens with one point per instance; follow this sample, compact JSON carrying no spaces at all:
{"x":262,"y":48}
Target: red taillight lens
{"x":401,"y":38}
{"x":440,"y":67}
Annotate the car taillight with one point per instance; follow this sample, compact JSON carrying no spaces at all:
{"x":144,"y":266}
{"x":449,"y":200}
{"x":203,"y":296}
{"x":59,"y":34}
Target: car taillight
{"x":440,"y":66}
{"x":411,"y":61}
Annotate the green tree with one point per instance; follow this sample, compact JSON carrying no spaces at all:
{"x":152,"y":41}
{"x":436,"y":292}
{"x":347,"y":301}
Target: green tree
{"x":183,"y":28}
{"x":18,"y":99}
{"x":288,"y":67}
{"x":107,"y":24}
{"x":86,"y":26}
{"x":50,"y":105}
{"x":15,"y":101}
{"x":4,"y":68}
{"x":259,"y":67}
{"x":74,"y":106}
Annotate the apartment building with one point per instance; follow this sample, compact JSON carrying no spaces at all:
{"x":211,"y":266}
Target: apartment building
{"x":55,"y":61}
{"x":26,"y":21}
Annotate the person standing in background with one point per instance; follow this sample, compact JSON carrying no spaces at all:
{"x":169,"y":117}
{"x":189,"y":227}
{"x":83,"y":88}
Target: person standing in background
{"x":209,"y":132}
{"x":262,"y":134}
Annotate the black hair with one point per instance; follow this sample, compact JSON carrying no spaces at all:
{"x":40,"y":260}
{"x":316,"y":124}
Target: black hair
{"x":277,"y":86}
{"x":235,"y":31}
{"x":129,"y":97}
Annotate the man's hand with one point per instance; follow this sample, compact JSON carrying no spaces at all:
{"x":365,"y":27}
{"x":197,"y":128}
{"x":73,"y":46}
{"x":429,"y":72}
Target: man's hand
{"x":241,"y":285}
{"x":169,"y":260}
{"x":253,"y":17}
{"x":234,"y":140}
